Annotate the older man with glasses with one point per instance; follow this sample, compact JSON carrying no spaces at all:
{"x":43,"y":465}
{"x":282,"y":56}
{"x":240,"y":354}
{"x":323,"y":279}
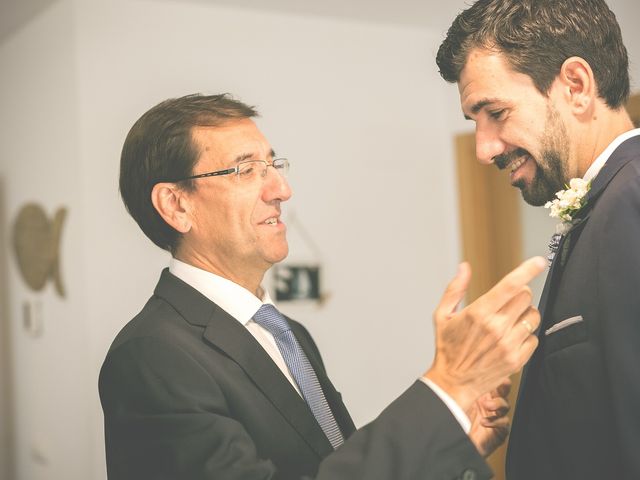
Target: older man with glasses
{"x":211,"y":381}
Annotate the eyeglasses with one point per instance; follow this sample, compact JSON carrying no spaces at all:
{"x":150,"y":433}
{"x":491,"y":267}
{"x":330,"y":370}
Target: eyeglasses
{"x":247,"y":170}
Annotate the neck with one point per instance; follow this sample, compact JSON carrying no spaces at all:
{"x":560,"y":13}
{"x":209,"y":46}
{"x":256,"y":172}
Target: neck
{"x":245,"y":277}
{"x":604,"y":128}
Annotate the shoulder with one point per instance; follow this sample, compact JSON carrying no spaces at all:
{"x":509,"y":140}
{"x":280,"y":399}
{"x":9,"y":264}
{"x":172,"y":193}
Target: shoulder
{"x":156,"y":319}
{"x":623,"y":192}
{"x":615,"y":218}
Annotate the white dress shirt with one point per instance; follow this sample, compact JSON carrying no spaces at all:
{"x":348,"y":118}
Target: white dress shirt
{"x":599,"y":162}
{"x":242,"y":305}
{"x":451,"y":404}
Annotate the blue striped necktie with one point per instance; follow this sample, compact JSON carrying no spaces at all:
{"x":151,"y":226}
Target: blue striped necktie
{"x":295,"y":358}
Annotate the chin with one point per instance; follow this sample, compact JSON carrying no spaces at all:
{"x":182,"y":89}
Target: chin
{"x":533,"y":197}
{"x":533,"y":200}
{"x":276,"y":255}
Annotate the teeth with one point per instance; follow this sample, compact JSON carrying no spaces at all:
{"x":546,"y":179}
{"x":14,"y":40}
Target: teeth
{"x":516,"y":164}
{"x":271,"y":221}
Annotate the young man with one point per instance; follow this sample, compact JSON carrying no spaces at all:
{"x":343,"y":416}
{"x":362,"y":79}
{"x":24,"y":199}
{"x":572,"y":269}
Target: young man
{"x":545,"y":82}
{"x":210,"y":381}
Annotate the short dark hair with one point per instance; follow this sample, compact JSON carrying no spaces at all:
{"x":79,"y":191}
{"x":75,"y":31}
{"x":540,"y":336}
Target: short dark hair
{"x":159,"y":147}
{"x":537,"y":36}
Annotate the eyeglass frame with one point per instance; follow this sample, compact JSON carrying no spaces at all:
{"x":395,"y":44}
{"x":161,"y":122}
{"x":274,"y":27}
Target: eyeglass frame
{"x":236,"y":169}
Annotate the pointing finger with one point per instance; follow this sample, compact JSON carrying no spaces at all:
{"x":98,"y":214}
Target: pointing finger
{"x":512,"y":283}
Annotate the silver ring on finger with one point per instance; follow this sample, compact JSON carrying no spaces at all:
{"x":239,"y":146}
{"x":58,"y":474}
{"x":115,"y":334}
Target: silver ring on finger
{"x":528,"y":326}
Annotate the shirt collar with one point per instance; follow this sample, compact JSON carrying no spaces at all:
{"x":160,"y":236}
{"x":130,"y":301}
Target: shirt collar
{"x":599,"y":162}
{"x":237,"y":301}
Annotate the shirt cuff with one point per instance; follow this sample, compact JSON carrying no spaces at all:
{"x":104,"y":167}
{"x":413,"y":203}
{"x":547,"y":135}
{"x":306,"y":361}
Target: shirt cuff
{"x":451,"y":404}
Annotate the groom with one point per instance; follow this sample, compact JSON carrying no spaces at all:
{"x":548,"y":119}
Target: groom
{"x":545,"y":82}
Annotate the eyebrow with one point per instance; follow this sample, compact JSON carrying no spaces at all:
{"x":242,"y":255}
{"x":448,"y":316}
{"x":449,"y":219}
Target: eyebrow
{"x":249,"y":156}
{"x":480,"y":105}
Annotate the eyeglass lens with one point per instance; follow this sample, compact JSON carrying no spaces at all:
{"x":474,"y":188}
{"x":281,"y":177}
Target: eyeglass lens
{"x":258,"y":168}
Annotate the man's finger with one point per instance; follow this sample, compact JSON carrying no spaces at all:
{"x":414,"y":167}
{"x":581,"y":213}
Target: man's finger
{"x":495,"y":407}
{"x":504,"y":388}
{"x":524,"y":326}
{"x":517,"y":305}
{"x":527,"y":349}
{"x":497,"y":422}
{"x":455,"y":291}
{"x":512,"y":283}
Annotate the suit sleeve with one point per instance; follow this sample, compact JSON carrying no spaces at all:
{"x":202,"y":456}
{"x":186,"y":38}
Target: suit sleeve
{"x":183,"y":428}
{"x":416,"y":437}
{"x":619,"y":309}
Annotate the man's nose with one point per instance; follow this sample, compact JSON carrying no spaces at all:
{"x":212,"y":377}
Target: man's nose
{"x":488,"y":143}
{"x":276,"y":186}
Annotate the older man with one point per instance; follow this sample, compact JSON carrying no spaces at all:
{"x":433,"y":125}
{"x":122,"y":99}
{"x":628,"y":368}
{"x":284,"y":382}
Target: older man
{"x":210,"y":381}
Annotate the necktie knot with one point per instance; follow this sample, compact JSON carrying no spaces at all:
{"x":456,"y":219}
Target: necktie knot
{"x":272,"y":320}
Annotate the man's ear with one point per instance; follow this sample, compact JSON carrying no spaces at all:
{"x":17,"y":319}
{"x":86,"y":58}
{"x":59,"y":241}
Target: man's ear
{"x":579,"y":85}
{"x":172,"y":204}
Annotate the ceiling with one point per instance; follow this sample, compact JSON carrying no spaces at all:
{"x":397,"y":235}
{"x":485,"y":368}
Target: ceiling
{"x":432,"y":14}
{"x":14,"y":13}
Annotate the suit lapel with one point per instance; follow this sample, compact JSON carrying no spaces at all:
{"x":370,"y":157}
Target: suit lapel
{"x":544,"y":300}
{"x":229,"y":336}
{"x":618,"y":159}
{"x":553,"y":269}
{"x":559,"y":260}
{"x":338,"y":408}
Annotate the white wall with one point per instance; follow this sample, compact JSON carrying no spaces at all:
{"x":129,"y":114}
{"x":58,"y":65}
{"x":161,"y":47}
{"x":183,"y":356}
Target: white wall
{"x":351,"y":104}
{"x":358,"y":108}
{"x":39,"y":142}
{"x":6,"y":430}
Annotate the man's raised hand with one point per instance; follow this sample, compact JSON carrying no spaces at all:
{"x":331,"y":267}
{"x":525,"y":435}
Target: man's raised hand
{"x":488,"y":340}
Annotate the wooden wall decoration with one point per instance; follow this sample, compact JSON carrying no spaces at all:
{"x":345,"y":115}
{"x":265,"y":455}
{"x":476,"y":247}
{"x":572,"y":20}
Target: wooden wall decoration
{"x":36,"y":243}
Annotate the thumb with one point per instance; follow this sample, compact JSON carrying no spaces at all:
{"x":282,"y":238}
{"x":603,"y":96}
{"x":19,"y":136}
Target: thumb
{"x":455,"y":291}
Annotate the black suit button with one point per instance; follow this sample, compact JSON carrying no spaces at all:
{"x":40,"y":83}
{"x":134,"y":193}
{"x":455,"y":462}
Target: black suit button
{"x":469,"y":474}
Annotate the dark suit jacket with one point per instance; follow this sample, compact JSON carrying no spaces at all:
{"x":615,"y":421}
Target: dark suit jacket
{"x":578,"y":413}
{"x":189,"y":394}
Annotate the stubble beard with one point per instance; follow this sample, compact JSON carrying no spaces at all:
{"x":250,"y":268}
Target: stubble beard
{"x":551,"y":175}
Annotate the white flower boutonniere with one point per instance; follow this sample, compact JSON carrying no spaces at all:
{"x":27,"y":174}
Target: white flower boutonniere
{"x":568,"y":203}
